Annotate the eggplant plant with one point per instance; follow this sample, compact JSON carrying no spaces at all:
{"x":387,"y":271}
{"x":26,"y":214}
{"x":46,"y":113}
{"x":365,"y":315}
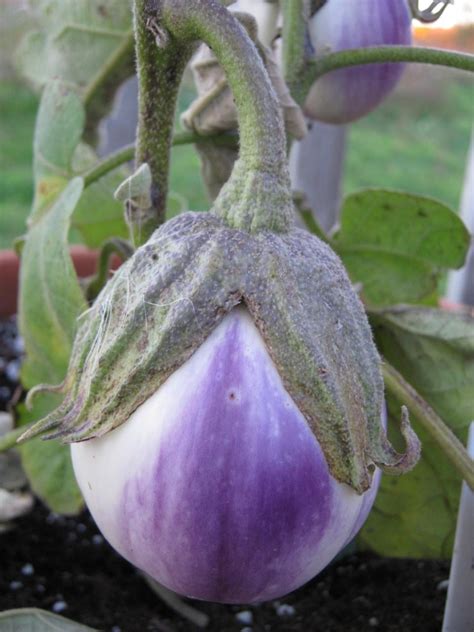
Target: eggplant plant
{"x":224,"y":393}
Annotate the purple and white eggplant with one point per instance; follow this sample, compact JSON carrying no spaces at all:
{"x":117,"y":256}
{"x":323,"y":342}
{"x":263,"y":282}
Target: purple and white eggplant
{"x":225,"y":424}
{"x":216,"y":485}
{"x":224,"y":394}
{"x":345,"y":95}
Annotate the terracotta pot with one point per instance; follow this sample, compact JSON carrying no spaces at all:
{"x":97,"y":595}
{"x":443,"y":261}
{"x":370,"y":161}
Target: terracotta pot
{"x":456,"y":307}
{"x":84,"y":261}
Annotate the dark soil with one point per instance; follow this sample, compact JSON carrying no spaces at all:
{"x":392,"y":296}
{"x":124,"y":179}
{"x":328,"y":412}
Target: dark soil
{"x":11,"y":348}
{"x":65,"y":566}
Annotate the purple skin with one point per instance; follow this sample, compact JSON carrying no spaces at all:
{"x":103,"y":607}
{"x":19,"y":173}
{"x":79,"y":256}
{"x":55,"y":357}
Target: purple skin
{"x":216,"y":486}
{"x":346,"y":95}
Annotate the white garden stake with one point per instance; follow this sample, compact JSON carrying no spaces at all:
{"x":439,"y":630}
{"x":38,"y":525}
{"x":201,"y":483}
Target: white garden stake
{"x":459,"y":613}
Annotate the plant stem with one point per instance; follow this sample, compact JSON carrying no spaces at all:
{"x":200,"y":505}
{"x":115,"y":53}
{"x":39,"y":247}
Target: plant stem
{"x":9,"y":440}
{"x":385,"y":54}
{"x":223,"y":139}
{"x":125,"y":154}
{"x":109,"y":163}
{"x":111,"y":247}
{"x":261,"y":173}
{"x":296,"y":46}
{"x":160,"y":65}
{"x":258,"y":106}
{"x":426,"y":416}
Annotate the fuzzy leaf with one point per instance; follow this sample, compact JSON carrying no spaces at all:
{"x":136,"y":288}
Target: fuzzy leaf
{"x":59,"y":155}
{"x":396,"y":244}
{"x":58,"y":129}
{"x":50,"y":296}
{"x":415,"y":515}
{"x":98,"y":216}
{"x":74,"y":40}
{"x":36,"y":620}
{"x":48,"y":465}
{"x":59,"y":126}
{"x":50,"y":302}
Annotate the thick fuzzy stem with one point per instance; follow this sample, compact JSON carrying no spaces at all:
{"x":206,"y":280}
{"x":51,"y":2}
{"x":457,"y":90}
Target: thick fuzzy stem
{"x":257,"y":195}
{"x":160,"y":65}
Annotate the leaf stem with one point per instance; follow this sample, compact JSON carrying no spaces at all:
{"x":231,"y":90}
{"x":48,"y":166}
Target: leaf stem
{"x":427,"y":417}
{"x":385,"y":54}
{"x":111,"y":247}
{"x":109,"y":163}
{"x":9,"y":439}
{"x":125,"y":154}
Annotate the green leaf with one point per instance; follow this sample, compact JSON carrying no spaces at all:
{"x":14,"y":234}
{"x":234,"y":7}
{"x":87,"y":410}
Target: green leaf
{"x":415,"y":515}
{"x":396,"y":244}
{"x":59,"y":155}
{"x":58,"y":129}
{"x":50,"y":296}
{"x":31,"y":57}
{"x":50,"y":303}
{"x":36,"y":620}
{"x":48,"y":465}
{"x":88,"y":43}
{"x":98,"y":215}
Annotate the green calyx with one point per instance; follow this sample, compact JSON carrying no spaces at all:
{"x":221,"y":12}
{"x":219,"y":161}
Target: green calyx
{"x":166,"y":300}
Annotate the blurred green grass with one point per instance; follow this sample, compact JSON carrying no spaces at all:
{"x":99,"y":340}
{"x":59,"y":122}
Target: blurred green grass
{"x":17,"y":115}
{"x":417,"y":141}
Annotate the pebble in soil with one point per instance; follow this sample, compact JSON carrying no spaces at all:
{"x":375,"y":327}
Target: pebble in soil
{"x":11,"y":349}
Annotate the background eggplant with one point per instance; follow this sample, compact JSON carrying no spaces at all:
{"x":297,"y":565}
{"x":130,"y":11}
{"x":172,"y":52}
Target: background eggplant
{"x":348,"y":94}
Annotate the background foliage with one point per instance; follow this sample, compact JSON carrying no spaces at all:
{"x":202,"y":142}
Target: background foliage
{"x":417,"y":141}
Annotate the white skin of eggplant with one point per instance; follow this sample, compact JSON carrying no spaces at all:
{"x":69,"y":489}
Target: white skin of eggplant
{"x":103,"y":466}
